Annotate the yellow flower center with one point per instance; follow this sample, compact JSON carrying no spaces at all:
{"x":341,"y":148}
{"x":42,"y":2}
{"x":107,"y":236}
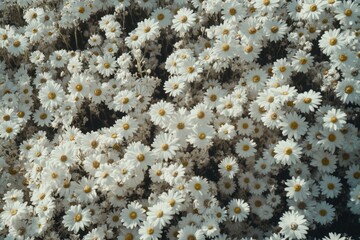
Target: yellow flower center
{"x":165,"y":147}
{"x":63,"y":158}
{"x":313,"y":7}
{"x":140,"y":157}
{"x":294,"y":125}
{"x":332,"y":137}
{"x":197,"y":186}
{"x":183,"y":19}
{"x":77,"y":217}
{"x":349,"y":89}
{"x":133,"y":215}
{"x":87,"y":189}
{"x":332,"y":41}
{"x":303,"y":61}
{"x":343,"y":58}
{"x":237,"y":210}
{"x":248,"y":49}
{"x":51,"y":95}
{"x":97,"y":92}
{"x":43,"y":116}
{"x":307,"y":100}
{"x":162,"y":112}
{"x":297,"y":187}
{"x":348,"y":12}
{"x":274,"y":29}
{"x":322,"y":212}
{"x":202,"y":136}
{"x":225,"y":47}
{"x":288,"y":151}
{"x":160,"y":16}
{"x":252,"y":30}
{"x":256,"y":78}
{"x":16,"y":43}
{"x":232,"y":11}
{"x":180,"y":125}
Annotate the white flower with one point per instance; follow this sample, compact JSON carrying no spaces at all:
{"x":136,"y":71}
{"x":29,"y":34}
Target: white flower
{"x":238,"y":210}
{"x":77,"y":218}
{"x":334,"y":119}
{"x":183,"y":20}
{"x":297,"y":189}
{"x":165,"y":145}
{"x":293,"y":225}
{"x":324,"y":213}
{"x":287,"y":152}
{"x":159,"y":214}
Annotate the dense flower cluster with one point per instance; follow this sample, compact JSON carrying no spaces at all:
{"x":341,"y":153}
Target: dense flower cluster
{"x":184,"y":119}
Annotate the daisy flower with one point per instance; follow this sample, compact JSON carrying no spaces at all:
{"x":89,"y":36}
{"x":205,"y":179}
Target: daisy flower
{"x":212,"y":96}
{"x":139,"y":154}
{"x":106,"y":65}
{"x":9,"y":129}
{"x":226,"y":131}
{"x":302,"y":61}
{"x":85,"y":190}
{"x":42,"y":117}
{"x":159,"y":214}
{"x":51,"y":95}
{"x":331,"y":140}
{"x":353,"y":175}
{"x":228,"y":167}
{"x":307,"y":102}
{"x":132,"y":215}
{"x":330,"y":186}
{"x":293,"y":125}
{"x":334,"y":236}
{"x":355,"y":195}
{"x":287,"y":152}
{"x":343,"y":59}
{"x":175,"y":86}
{"x":201,"y":136}
{"x":183,"y":20}
{"x":160,"y":113}
{"x":190,"y":232}
{"x":124,"y":101}
{"x":165,"y":145}
{"x":17,"y":45}
{"x":232,"y":11}
{"x":347,"y":12}
{"x":324,"y":161}
{"x":226,"y":47}
{"x":229,"y":107}
{"x":246,"y":147}
{"x":297,"y":189}
{"x":238,"y":210}
{"x":293,"y":225}
{"x":331,"y":41}
{"x":13,"y":212}
{"x":250,"y":30}
{"x":197,"y":186}
{"x":148,"y":231}
{"x":334,"y":119}
{"x":312,"y":9}
{"x":78,"y":85}
{"x":77,"y":218}
{"x":324,"y":213}
{"x":348,"y":90}
{"x":174,"y":198}
{"x":148,"y":29}
{"x":163,"y":16}
{"x":275,"y":30}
